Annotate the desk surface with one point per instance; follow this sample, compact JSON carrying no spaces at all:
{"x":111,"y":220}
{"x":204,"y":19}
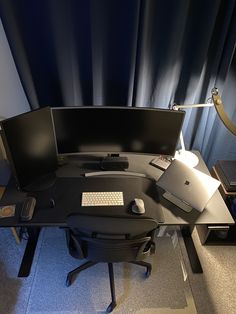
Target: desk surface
{"x":216,"y":212}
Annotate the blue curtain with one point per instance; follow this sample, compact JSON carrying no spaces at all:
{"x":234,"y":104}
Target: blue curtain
{"x":129,"y":53}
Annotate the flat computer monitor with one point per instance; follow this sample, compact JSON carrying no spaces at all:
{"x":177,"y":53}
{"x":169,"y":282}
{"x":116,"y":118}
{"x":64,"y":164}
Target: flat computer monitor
{"x":115,"y":130}
{"x":31,"y":150}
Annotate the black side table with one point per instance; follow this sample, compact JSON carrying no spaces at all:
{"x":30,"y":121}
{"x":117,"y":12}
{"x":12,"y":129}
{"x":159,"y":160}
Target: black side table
{"x":220,"y":234}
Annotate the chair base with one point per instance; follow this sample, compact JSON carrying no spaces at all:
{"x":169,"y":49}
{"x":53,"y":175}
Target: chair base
{"x":144,"y":264}
{"x":77,"y":270}
{"x":112,"y":305}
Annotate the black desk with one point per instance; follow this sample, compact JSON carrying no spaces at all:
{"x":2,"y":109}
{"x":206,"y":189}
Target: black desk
{"x":67,"y":194}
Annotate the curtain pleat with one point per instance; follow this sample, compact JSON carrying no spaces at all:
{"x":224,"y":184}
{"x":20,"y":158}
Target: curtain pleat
{"x":145,"y":53}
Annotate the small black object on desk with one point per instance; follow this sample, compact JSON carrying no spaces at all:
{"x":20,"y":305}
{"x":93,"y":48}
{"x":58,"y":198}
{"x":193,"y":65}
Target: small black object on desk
{"x":160,"y":162}
{"x":114,"y":162}
{"x":27,"y":210}
{"x":52,"y":203}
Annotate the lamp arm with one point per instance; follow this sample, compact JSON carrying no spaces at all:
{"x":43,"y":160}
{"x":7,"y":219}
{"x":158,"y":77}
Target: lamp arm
{"x":176,"y":107}
{"x":182,"y":141}
{"x":221,"y":112}
{"x":219,"y":106}
{"x":188,"y":157}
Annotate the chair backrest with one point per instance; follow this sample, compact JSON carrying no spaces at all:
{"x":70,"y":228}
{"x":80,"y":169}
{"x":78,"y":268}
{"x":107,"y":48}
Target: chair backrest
{"x":109,"y":239}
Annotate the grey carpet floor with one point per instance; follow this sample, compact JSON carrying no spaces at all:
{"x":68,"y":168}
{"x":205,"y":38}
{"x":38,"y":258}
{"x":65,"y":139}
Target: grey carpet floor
{"x":166,"y":291}
{"x":214,"y":290}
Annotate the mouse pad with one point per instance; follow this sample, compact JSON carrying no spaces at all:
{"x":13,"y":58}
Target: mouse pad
{"x":67,"y":194}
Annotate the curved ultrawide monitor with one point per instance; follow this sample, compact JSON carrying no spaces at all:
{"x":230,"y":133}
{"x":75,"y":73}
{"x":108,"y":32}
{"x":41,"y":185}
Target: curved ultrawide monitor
{"x":117,"y":130}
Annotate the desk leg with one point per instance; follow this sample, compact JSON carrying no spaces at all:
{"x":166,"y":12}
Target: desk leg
{"x":191,"y":250}
{"x":27,"y":260}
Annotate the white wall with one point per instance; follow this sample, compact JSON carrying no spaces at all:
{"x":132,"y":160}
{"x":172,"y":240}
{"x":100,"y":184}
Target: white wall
{"x":12,"y":97}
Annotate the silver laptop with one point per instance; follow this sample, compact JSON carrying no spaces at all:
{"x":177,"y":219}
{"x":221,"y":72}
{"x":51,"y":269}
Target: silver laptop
{"x":187,"y":187}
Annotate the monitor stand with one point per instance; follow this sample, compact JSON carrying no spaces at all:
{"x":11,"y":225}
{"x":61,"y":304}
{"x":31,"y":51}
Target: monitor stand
{"x":178,"y":202}
{"x":114,"y":162}
{"x":42,"y":183}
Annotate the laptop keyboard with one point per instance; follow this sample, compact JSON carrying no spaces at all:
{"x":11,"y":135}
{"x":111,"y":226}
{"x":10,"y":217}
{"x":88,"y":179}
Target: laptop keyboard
{"x":102,"y":199}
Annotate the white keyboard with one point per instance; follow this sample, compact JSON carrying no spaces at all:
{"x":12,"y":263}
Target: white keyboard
{"x":102,"y":199}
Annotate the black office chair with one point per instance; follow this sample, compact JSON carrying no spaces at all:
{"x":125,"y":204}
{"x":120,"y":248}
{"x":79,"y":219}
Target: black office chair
{"x":110,"y":240}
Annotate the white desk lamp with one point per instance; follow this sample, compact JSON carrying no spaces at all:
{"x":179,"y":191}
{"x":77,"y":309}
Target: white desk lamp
{"x":188,"y":157}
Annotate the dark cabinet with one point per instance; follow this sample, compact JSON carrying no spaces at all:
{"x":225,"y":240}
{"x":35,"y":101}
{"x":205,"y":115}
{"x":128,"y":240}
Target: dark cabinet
{"x":220,"y":234}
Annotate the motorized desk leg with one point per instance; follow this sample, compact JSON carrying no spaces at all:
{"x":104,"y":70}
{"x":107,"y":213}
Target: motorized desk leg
{"x":191,"y":250}
{"x":27,"y":260}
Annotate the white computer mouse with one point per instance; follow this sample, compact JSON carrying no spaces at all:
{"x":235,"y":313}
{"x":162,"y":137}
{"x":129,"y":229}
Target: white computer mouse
{"x":138,"y":206}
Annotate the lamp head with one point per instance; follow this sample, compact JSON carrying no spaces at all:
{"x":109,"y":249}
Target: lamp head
{"x":219,"y":106}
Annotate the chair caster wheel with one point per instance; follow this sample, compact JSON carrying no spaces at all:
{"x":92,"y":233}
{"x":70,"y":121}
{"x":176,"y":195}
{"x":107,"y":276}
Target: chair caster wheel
{"x":68,"y":280}
{"x":111,"y":307}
